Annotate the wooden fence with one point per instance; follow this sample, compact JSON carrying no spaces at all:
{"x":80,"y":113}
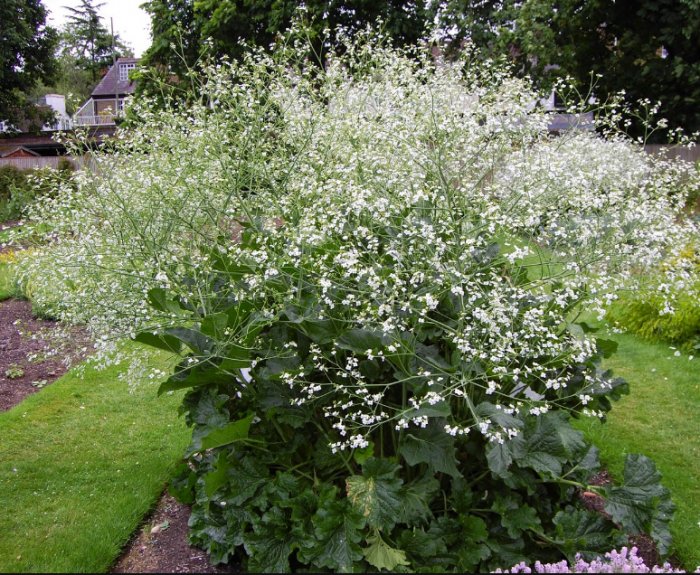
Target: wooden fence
{"x":41,"y":162}
{"x":687,"y":154}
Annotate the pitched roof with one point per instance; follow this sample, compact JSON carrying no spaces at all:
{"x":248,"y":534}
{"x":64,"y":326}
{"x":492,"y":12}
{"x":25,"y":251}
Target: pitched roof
{"x":19,"y":152}
{"x":111,"y":84}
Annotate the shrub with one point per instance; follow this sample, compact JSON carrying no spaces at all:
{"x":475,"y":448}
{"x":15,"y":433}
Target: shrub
{"x":19,"y":188}
{"x":372,"y":271}
{"x":667,"y":305}
{"x":13,"y":185}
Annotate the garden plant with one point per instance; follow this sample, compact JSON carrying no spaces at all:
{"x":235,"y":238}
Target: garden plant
{"x":19,"y":188}
{"x":373,"y":272}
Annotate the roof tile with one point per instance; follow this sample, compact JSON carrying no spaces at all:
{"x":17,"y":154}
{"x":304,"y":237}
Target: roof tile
{"x":111,"y":84}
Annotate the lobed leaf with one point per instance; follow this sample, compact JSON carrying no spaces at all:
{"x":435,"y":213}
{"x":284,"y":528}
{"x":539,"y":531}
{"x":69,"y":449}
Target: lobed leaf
{"x":376,"y":494}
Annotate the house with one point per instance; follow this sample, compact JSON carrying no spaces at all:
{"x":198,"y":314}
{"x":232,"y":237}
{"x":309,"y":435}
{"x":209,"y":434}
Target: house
{"x":19,"y":152}
{"x":50,"y":103}
{"x":57,"y":102}
{"x":107,"y":99}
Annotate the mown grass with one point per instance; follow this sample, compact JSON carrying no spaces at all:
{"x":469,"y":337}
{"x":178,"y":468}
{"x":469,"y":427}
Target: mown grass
{"x":81,"y":463}
{"x":661,"y":419}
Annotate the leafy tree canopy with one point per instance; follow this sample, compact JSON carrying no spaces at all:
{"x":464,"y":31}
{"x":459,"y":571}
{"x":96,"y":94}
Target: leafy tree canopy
{"x":647,"y":48}
{"x":26,"y":57}
{"x":184,"y":30}
{"x":86,"y":43}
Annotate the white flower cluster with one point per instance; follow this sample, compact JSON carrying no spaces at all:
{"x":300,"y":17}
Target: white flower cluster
{"x":418,"y":200}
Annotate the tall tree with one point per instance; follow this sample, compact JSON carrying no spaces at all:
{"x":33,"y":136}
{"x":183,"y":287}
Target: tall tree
{"x":85,"y":39}
{"x":192,"y":26}
{"x":175,"y":33}
{"x":259,"y":21}
{"x":26,"y":57}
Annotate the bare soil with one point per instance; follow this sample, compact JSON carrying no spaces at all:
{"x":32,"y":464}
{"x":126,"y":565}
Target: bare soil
{"x":33,"y":352}
{"x":161,"y":545}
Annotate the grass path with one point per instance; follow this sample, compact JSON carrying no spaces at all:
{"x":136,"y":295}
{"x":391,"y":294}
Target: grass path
{"x":661,"y":419}
{"x":81,"y":463}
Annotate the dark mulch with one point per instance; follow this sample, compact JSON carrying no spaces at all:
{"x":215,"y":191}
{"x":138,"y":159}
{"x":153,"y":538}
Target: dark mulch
{"x":161,"y":545}
{"x":33,"y":352}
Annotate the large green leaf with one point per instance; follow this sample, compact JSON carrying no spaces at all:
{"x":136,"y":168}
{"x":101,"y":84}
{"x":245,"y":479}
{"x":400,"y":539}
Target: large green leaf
{"x":158,"y":298}
{"x":381,"y":555}
{"x":159,"y":341}
{"x":214,"y":325}
{"x":247,"y":478}
{"x":270,"y":544}
{"x":218,"y":475}
{"x":416,"y":497}
{"x":195,"y":376}
{"x":429,"y":357}
{"x":304,"y":315}
{"x":238,"y":314}
{"x":499,"y":459}
{"x":432,"y":446}
{"x":181,"y":486}
{"x":547,"y":443}
{"x":320,"y":331}
{"x":586,"y":466}
{"x":439,"y":409}
{"x":206,"y":409}
{"x":470,"y":555}
{"x":207,"y":414}
{"x":506,"y":553}
{"x":337,"y":529}
{"x":194,"y":339}
{"x":606,"y":347}
{"x":516,"y":516}
{"x":360,"y":340}
{"x":642,"y":504}
{"x":229,"y":433}
{"x":427,"y":552}
{"x":473,"y":528}
{"x":376,"y":494}
{"x":581,"y":531}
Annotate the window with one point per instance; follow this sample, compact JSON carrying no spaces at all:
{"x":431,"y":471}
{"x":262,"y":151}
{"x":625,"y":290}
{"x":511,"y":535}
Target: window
{"x":124,"y":70}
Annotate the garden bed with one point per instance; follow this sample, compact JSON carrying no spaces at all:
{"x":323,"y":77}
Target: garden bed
{"x":161,"y":545}
{"x":33,"y":352}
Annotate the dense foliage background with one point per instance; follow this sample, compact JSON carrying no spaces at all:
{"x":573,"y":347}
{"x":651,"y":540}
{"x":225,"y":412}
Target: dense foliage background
{"x":646,"y":49}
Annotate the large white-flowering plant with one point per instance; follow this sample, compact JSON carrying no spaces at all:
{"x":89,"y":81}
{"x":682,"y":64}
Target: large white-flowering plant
{"x":371,"y":264}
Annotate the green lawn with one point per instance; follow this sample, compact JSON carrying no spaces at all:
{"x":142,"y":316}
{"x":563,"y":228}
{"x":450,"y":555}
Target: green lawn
{"x":81,"y":463}
{"x":661,"y":419}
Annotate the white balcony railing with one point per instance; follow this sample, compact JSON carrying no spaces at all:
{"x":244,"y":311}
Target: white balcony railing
{"x":99,"y":120}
